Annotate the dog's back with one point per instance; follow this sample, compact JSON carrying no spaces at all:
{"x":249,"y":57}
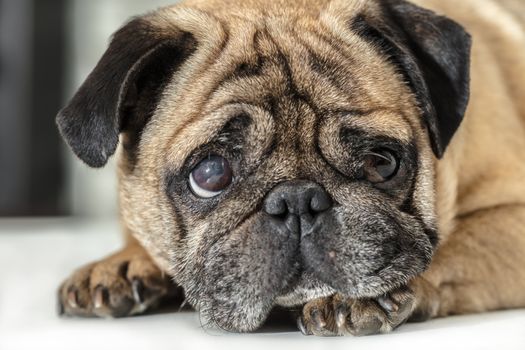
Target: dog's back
{"x":516,"y":8}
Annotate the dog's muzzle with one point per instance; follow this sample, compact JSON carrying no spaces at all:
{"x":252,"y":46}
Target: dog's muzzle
{"x":297,"y":205}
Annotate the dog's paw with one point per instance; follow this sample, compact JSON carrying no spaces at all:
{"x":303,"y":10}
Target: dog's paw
{"x":121,"y":285}
{"x":339,"y":315}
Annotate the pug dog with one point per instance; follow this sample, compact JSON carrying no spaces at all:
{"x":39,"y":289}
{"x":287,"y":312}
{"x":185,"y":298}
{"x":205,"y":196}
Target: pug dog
{"x":320,"y":155}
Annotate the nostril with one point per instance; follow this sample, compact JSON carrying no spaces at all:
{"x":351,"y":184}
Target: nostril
{"x":320,"y":202}
{"x":281,"y":216}
{"x":276,"y":207}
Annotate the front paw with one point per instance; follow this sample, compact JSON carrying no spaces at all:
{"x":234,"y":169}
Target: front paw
{"x":339,"y":315}
{"x":121,"y":285}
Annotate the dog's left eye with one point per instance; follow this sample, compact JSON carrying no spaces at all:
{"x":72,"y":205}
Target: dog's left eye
{"x":211,"y":176}
{"x":380,"y":166}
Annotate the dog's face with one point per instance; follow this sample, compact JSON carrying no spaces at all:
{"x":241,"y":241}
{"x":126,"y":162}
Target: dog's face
{"x":278,"y":156}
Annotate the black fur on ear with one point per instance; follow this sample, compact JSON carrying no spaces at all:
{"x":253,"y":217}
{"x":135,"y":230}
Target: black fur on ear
{"x":432,"y":52}
{"x":95,"y":116}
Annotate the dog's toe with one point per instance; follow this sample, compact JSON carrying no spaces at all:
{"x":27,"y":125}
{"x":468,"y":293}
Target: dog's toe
{"x":317,"y":318}
{"x":115,"y":287}
{"x":339,"y":315}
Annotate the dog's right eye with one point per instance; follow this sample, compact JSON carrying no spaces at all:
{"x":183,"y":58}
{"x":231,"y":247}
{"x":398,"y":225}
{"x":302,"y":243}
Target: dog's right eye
{"x":210,"y":177}
{"x":380,"y":166}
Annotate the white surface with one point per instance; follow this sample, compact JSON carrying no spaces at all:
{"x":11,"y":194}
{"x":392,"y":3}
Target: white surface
{"x":36,"y":255}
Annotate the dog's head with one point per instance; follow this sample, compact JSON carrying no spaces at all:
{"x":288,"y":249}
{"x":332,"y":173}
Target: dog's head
{"x":273,"y":153}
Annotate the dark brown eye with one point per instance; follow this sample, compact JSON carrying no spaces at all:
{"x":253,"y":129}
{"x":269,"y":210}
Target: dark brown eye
{"x":210,"y":177}
{"x":380,"y":166}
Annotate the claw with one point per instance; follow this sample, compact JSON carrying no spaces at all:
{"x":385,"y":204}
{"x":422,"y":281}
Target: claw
{"x":72,"y":300}
{"x":318,"y":319}
{"x":341,"y":314}
{"x":300,"y":325}
{"x":101,"y":297}
{"x":387,"y":303}
{"x":137,"y":288}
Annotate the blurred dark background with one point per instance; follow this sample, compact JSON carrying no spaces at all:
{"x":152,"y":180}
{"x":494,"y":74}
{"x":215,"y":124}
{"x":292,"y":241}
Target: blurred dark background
{"x":47,"y":48}
{"x":32,"y":55}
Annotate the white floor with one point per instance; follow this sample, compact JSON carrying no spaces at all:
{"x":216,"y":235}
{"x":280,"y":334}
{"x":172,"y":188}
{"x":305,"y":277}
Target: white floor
{"x":36,"y":255}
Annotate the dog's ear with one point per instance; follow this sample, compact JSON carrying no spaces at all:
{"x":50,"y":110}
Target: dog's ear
{"x":98,"y":112}
{"x":433,"y":54}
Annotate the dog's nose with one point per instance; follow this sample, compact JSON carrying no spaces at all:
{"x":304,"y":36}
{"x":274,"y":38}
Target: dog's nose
{"x":297,"y":205}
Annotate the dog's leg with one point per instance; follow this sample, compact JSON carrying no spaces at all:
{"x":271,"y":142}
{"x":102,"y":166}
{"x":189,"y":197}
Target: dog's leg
{"x":125,"y":283}
{"x":480,"y":267}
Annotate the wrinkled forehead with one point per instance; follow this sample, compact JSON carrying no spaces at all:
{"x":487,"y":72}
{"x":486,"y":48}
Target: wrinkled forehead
{"x":285,"y":75}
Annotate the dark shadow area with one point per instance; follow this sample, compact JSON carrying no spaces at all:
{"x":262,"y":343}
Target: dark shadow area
{"x":280,"y":320}
{"x":32,"y":48}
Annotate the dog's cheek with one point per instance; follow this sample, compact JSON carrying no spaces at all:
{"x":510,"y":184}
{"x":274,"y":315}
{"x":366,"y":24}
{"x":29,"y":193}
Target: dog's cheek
{"x":148,"y":214}
{"x":244,"y":272}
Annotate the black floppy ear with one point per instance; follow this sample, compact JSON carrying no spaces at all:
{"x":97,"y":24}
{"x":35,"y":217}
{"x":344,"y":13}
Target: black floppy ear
{"x":441,"y":48}
{"x":433,"y":53}
{"x":95,"y":116}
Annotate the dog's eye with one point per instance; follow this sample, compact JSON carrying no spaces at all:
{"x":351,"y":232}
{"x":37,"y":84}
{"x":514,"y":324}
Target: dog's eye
{"x":210,"y":177}
{"x":380,"y":166}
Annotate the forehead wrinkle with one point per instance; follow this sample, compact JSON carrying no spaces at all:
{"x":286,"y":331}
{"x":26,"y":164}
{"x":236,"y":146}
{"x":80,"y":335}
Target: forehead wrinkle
{"x":288,"y":59}
{"x":259,"y":129}
{"x":196,"y":115}
{"x":235,"y":44}
{"x":327,"y":84}
{"x":245,"y":56}
{"x":327,"y":91}
{"x":383,"y":122}
{"x":257,"y":83}
{"x":235,"y":91}
{"x":298,"y":95}
{"x":369,"y":99}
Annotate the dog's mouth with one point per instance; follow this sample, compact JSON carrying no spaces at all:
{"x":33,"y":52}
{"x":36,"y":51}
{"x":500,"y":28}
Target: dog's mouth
{"x":260,"y":265}
{"x":304,"y":289}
